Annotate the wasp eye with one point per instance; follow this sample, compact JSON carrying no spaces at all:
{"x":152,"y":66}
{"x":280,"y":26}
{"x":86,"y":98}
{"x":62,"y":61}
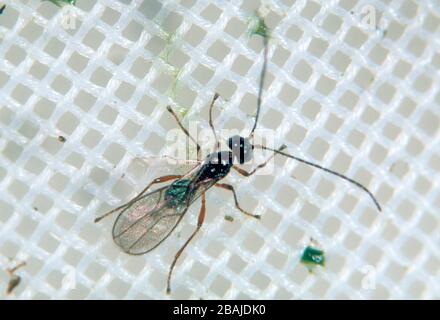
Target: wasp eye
{"x":241,"y":148}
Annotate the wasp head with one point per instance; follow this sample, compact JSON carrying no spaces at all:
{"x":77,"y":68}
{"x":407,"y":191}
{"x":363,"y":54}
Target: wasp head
{"x":241,"y":148}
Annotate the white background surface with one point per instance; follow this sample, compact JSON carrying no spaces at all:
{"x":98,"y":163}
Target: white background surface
{"x":361,"y":101}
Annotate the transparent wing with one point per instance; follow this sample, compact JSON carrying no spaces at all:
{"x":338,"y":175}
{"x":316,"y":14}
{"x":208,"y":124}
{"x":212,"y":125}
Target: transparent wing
{"x":146,"y":223}
{"x":143,"y":225}
{"x":163,"y":165}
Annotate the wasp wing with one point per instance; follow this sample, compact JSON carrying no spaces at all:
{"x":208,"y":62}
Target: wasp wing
{"x":143,"y":225}
{"x":147,"y":222}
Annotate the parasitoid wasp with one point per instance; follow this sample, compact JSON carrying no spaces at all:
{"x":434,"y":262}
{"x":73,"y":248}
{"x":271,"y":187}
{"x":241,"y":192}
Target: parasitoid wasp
{"x":148,"y":219}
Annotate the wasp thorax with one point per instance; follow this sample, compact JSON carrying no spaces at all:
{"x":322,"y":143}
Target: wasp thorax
{"x":241,"y":148}
{"x":222,"y":158}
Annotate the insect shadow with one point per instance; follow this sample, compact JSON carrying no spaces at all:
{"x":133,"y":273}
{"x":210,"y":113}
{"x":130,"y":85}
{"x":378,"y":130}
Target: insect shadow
{"x":148,"y":219}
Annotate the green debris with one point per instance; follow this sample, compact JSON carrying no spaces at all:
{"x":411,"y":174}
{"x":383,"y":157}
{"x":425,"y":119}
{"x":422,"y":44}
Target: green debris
{"x":61,"y":3}
{"x":175,"y":85}
{"x":229,"y":218}
{"x":2,"y":8}
{"x":170,"y":39}
{"x":313,"y":257}
{"x":182,"y":111}
{"x":257,"y":26}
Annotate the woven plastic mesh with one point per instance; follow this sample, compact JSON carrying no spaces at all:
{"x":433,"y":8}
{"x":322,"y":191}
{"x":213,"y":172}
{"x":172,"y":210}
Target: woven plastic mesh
{"x":363,"y":101}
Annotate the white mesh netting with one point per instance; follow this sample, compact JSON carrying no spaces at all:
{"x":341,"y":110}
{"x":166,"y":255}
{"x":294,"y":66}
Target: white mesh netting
{"x":363,"y":101}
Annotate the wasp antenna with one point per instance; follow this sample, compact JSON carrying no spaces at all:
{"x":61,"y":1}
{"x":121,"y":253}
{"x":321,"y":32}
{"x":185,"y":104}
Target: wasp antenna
{"x":265,"y":36}
{"x":357,"y":184}
{"x":211,"y":122}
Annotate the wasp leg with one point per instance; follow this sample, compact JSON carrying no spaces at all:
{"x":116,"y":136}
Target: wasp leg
{"x":237,"y":205}
{"x":211,"y":123}
{"x":157,"y":180}
{"x":199,"y":149}
{"x":248,"y":174}
{"x":199,"y":225}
